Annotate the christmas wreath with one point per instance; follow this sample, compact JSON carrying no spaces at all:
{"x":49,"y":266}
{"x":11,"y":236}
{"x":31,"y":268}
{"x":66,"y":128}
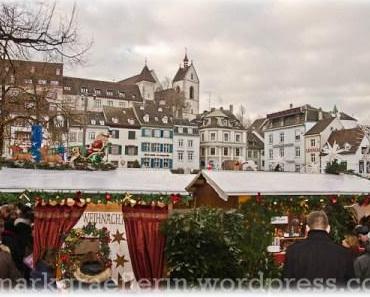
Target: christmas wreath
{"x":70,"y":262}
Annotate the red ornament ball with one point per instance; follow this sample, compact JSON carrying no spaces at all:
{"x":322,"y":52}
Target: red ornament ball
{"x":334,"y":199}
{"x":108,"y":197}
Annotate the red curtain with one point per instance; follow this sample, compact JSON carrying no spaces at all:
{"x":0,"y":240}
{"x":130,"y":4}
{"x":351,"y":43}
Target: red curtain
{"x":145,"y":242}
{"x":51,"y":224}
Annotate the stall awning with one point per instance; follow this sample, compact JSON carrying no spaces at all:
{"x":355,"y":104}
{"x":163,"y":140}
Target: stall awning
{"x":240,"y":183}
{"x":134,"y":181}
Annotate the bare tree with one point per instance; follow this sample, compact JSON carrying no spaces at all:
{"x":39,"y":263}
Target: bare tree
{"x":166,"y":83}
{"x":242,"y":116}
{"x":25,"y":31}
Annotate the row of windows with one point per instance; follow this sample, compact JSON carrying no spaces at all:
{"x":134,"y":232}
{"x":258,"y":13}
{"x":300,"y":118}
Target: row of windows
{"x":156,"y":133}
{"x":282,"y":152}
{"x":225,"y":151}
{"x":115,"y":134}
{"x":98,"y":103}
{"x":186,"y":130}
{"x":39,"y":82}
{"x":255,"y":154}
{"x":130,"y":150}
{"x":180,"y":156}
{"x":282,"y":137}
{"x":226,"y":137}
{"x":99,"y":92}
{"x":156,"y":163}
{"x":156,"y":147}
{"x":181,"y":143}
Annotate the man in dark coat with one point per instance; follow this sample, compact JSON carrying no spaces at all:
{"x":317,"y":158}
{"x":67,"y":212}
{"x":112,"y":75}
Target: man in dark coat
{"x":317,"y":261}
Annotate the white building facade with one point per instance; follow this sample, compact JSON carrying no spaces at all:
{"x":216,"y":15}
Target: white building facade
{"x":222,"y":138}
{"x":186,"y":144}
{"x":284,"y":137}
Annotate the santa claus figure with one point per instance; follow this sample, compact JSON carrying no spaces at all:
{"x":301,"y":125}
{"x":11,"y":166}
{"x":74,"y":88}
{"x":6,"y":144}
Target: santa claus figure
{"x":98,"y":144}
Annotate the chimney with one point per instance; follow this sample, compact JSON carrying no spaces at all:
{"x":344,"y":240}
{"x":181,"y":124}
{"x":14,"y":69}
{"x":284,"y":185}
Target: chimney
{"x":231,"y":107}
{"x":291,"y":105}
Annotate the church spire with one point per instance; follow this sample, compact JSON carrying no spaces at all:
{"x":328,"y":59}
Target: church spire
{"x":186,"y":60}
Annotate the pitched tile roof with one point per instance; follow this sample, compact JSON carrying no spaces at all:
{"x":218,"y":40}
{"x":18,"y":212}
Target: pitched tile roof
{"x":120,"y":117}
{"x":211,"y":119}
{"x":156,"y":114}
{"x":145,"y":75}
{"x":346,"y":117}
{"x":253,"y":141}
{"x":180,"y":75}
{"x":319,"y":126}
{"x":73,"y":85}
{"x":353,"y":137}
{"x":33,"y":70}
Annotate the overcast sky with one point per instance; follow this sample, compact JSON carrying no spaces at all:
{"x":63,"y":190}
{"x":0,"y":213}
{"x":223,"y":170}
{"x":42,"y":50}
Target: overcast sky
{"x":263,"y":54}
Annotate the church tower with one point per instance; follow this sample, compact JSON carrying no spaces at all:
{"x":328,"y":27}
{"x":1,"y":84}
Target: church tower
{"x":186,"y":80}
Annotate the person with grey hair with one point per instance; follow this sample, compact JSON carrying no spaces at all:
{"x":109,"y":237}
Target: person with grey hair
{"x":317,"y":259}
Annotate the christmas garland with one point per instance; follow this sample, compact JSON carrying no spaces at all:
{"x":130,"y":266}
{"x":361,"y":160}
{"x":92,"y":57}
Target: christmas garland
{"x":79,"y":198}
{"x":69,"y":262}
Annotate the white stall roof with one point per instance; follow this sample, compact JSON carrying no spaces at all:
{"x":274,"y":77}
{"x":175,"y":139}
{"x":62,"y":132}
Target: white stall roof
{"x":237,"y":183}
{"x":116,"y":181}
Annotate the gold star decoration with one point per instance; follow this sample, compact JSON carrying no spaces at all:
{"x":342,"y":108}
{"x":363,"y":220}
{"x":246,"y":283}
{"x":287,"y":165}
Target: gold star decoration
{"x":120,"y":261}
{"x":118,"y":237}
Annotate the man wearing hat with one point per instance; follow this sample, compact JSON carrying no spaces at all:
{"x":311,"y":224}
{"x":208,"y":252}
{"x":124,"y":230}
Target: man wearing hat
{"x":362,"y":233}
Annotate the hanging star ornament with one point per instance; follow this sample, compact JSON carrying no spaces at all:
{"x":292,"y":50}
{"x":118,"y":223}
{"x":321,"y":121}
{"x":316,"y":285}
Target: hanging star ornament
{"x":333,"y":151}
{"x":118,"y":237}
{"x":120,"y":261}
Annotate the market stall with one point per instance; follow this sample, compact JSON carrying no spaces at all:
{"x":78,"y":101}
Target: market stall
{"x":115,"y":215}
{"x":283,"y":199}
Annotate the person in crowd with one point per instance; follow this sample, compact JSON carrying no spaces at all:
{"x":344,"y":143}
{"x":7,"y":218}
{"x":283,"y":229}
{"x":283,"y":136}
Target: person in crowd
{"x":351,"y":242}
{"x":317,"y":258}
{"x":8,"y":270}
{"x":362,"y":265}
{"x":43,"y":274}
{"x":10,"y":236}
{"x":362,"y":232}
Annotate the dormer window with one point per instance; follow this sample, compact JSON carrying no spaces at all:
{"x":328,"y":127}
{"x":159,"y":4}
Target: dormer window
{"x":165,"y":120}
{"x":347,"y":146}
{"x":133,"y":97}
{"x":84,"y":90}
{"x":97,"y":92}
{"x":146,"y":118}
{"x":57,"y":71}
{"x":131,"y":121}
{"x":66,"y":88}
{"x":115,"y":120}
{"x":93,"y":122}
{"x":156,"y":119}
{"x":101,"y":123}
{"x":122,"y":94}
{"x":33,"y":69}
{"x":141,"y":107}
{"x":109,"y":93}
{"x":160,"y":109}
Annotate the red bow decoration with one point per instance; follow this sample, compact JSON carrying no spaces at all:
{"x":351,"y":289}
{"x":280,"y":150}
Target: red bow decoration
{"x":175,"y":198}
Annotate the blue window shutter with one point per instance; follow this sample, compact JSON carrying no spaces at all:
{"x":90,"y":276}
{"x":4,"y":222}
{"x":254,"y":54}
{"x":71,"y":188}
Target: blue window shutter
{"x":171,"y":148}
{"x":161,"y":133}
{"x":142,"y":147}
{"x":120,"y":149}
{"x":152,"y":163}
{"x":153,"y":132}
{"x":142,"y":132}
{"x":171,"y":134}
{"x":170,"y":163}
{"x":142,"y":161}
{"x":161,"y":163}
{"x":161,"y":147}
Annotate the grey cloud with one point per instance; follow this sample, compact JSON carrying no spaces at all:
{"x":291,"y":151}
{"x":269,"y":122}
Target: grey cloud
{"x":265,"y":54}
